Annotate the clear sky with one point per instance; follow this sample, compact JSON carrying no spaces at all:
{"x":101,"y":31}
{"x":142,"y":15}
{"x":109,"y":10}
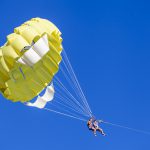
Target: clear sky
{"x":108,"y":43}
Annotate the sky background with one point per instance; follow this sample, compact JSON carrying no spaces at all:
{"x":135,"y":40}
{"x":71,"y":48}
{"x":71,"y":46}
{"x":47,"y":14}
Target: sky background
{"x":108,"y":43}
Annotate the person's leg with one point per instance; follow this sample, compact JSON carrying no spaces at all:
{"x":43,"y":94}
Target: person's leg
{"x":101,"y":131}
{"x":94,"y":131}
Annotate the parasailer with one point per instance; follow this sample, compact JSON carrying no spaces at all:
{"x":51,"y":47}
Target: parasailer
{"x":93,"y":125}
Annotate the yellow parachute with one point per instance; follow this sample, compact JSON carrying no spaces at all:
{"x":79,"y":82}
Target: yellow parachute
{"x":29,"y":59}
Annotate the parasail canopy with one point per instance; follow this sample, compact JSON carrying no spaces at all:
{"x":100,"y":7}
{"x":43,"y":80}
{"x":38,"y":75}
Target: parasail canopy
{"x":35,"y":70}
{"x":29,"y":60}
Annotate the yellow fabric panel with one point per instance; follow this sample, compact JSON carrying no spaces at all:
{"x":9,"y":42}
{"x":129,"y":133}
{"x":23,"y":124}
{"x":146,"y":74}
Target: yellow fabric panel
{"x":36,"y":26}
{"x":10,"y":55}
{"x":49,"y":25}
{"x":2,"y":83}
{"x":17,"y":75}
{"x":11,"y":37}
{"x":27,"y":32}
{"x":20,"y":29}
{"x":20,"y":82}
{"x":12,"y":91}
{"x":54,"y":53}
{"x":44,"y":74}
{"x":15,"y":91}
{"x":1,"y":52}
{"x":55,"y":41}
{"x":17,"y":42}
{"x":50,"y":64}
{"x":27,"y":86}
{"x":9,"y":52}
{"x":4,"y":65}
{"x":3,"y":73}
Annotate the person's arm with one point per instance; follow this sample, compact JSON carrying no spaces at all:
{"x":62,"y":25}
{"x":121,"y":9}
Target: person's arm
{"x":100,"y":121}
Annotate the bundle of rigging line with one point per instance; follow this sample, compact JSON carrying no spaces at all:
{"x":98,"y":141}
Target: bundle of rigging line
{"x":66,"y":96}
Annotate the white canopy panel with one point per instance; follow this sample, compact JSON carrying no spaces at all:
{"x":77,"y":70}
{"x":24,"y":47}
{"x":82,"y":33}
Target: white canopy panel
{"x":35,"y":52}
{"x":41,"y":101}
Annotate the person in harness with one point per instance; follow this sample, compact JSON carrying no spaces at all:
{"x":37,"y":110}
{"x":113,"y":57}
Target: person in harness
{"x":93,"y":125}
{"x":90,"y":125}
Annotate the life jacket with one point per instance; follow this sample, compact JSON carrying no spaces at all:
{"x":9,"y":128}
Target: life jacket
{"x":89,"y":124}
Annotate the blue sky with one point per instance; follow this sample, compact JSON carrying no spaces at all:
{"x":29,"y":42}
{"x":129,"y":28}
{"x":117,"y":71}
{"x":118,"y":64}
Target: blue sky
{"x":108,"y":45}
